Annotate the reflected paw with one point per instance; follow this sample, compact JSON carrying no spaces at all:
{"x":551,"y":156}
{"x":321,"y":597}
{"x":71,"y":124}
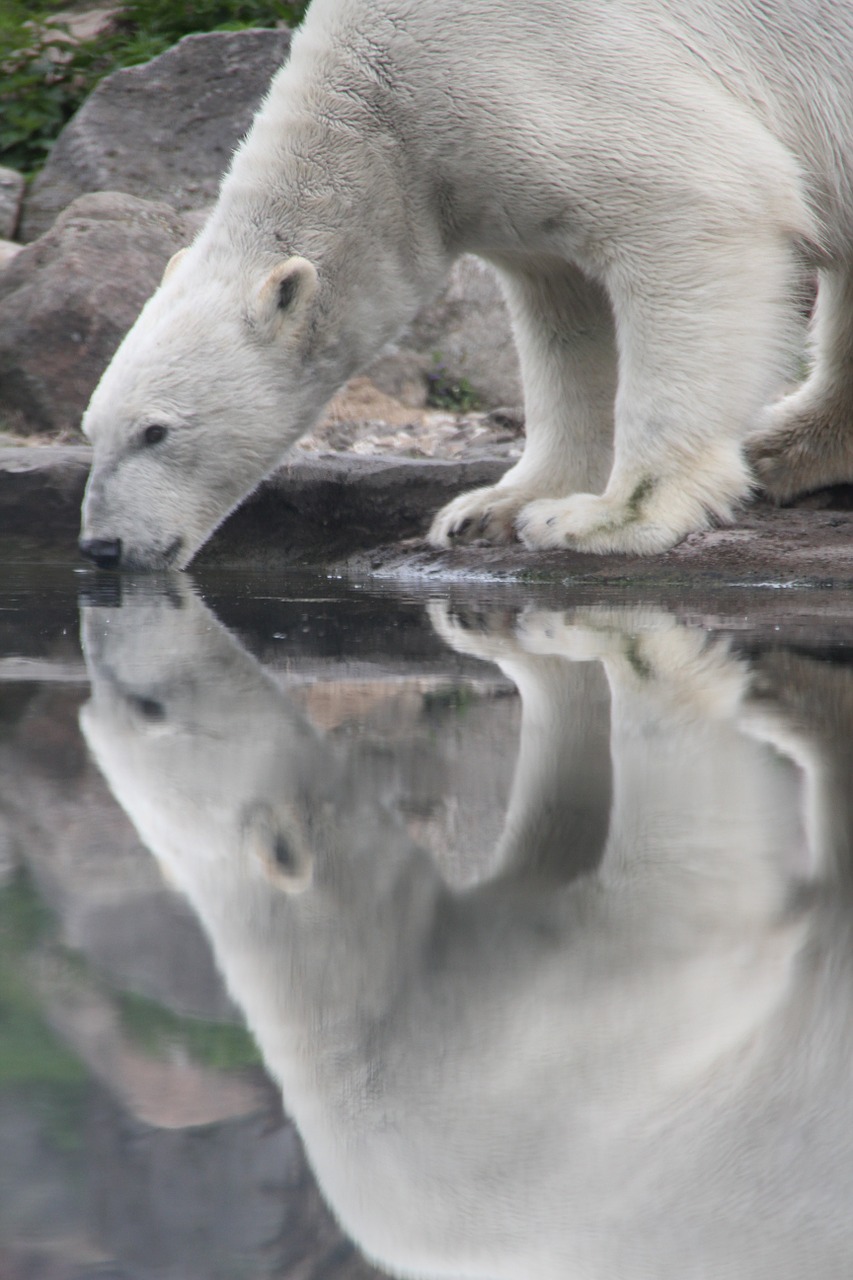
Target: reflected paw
{"x":587,"y":634}
{"x":489,"y":635}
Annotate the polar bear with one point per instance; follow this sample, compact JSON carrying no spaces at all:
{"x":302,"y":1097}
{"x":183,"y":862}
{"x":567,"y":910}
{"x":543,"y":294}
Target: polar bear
{"x":654,"y":180}
{"x":626,"y":1051}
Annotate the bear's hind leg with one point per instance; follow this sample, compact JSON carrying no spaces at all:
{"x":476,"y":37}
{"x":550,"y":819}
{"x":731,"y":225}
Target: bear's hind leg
{"x":564,"y":332}
{"x":806,"y":438}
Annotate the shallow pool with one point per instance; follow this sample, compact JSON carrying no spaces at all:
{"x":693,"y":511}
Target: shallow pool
{"x":447,"y":930}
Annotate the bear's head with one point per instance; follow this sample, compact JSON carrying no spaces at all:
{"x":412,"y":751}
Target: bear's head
{"x":217,"y":769}
{"x":201,"y":400}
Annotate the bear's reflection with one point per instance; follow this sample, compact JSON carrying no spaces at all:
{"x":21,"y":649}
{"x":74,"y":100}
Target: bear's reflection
{"x":628,"y":1055}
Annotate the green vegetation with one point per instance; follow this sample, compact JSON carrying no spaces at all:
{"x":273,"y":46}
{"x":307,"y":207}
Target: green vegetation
{"x":446,"y":392}
{"x":452,"y":698}
{"x":45,"y":75}
{"x":156,"y":1031}
{"x":33,"y":1060}
{"x":29,"y":1051}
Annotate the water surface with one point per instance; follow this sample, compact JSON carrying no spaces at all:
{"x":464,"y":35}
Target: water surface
{"x":475,"y":933}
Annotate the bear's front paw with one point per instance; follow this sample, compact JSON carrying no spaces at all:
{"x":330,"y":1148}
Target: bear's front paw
{"x":484,"y":515}
{"x":586,"y":522}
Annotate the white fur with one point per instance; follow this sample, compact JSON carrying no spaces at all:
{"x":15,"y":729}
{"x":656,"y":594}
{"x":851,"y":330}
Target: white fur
{"x":627,"y":1054}
{"x":652,"y":179}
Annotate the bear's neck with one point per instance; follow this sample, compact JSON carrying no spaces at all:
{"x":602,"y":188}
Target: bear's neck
{"x":326,"y":180}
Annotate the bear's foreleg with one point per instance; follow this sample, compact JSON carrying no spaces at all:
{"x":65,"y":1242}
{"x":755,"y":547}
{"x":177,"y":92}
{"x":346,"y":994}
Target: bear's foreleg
{"x":704,"y":339}
{"x":564,"y":333}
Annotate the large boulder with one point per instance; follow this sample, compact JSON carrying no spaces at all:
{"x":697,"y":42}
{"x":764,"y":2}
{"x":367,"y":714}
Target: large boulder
{"x":161,"y":131}
{"x":67,"y":300}
{"x":459,"y":351}
{"x":165,"y":131}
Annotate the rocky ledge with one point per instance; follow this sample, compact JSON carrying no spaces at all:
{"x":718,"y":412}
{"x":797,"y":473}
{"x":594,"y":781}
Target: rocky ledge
{"x":368,"y":515}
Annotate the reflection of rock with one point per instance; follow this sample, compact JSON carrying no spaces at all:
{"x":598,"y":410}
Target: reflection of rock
{"x":212,"y":1203}
{"x":110,"y":901}
{"x":42,"y":1183}
{"x":167,"y":1091}
{"x":161,"y":131}
{"x":109,"y":1196}
{"x":67,"y":300}
{"x":84,"y":24}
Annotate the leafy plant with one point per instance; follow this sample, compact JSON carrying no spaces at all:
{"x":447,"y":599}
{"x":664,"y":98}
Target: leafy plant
{"x":447,"y":392}
{"x":46,"y":75}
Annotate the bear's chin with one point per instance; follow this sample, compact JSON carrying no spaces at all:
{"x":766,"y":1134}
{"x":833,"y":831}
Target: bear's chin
{"x":144,"y":560}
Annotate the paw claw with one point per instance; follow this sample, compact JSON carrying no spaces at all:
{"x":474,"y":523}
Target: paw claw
{"x":486,"y":514}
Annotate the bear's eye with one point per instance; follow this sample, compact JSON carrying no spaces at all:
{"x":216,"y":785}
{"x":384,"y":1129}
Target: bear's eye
{"x":148,"y":708}
{"x":154,"y":433}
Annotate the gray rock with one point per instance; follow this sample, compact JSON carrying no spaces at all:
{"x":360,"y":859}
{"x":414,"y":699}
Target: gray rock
{"x":67,"y":300}
{"x":311,"y":511}
{"x":165,"y":130}
{"x":308,"y":511}
{"x":8,"y":251}
{"x":464,"y":337}
{"x":11,"y":195}
{"x":41,"y":490}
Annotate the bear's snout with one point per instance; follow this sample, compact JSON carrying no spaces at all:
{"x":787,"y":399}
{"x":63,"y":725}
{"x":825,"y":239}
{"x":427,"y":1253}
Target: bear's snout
{"x":105,"y":552}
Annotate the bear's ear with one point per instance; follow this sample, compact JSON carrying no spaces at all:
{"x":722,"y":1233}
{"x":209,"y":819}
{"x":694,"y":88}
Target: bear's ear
{"x":275,"y":844}
{"x":285,"y":292}
{"x":172,"y":263}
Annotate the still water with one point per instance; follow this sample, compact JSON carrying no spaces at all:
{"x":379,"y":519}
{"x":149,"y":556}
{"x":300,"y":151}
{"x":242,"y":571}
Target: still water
{"x":345,"y":931}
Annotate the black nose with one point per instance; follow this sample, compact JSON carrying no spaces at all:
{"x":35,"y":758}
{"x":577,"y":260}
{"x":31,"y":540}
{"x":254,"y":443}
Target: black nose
{"x":106,"y":552}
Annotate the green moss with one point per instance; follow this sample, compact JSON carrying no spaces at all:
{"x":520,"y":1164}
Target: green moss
{"x":157,"y":1031}
{"x":24,"y":918}
{"x":35,"y":1064}
{"x":453,"y":698}
{"x":638,"y":497}
{"x":635,"y":659}
{"x":30,"y":1053}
